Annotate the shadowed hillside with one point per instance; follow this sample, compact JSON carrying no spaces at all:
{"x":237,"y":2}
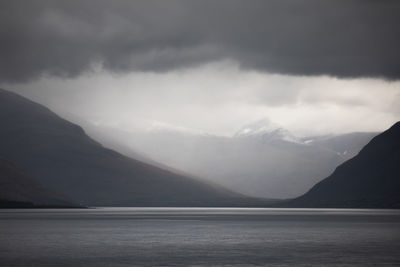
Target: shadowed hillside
{"x":369,"y":180}
{"x":19,"y":190}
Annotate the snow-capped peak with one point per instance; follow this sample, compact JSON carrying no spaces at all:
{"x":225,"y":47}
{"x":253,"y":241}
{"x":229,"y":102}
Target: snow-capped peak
{"x":257,"y":128}
{"x":268,"y":131}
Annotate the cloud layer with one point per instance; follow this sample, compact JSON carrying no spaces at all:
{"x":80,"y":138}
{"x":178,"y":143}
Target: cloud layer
{"x":313,"y":37}
{"x":220,"y":99}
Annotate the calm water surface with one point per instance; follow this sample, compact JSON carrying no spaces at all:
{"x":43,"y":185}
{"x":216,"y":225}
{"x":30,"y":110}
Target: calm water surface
{"x":199,"y":237}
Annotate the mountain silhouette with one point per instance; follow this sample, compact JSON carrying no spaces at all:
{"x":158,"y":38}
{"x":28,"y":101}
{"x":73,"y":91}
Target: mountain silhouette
{"x":369,"y":180}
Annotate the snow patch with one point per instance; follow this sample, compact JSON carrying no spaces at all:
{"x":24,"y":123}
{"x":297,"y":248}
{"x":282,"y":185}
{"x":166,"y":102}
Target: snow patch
{"x":268,"y":131}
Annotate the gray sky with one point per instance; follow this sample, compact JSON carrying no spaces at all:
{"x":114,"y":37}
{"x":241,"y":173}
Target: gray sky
{"x":207,"y":66}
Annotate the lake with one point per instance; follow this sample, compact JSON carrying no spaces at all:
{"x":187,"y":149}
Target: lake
{"x":199,"y":237}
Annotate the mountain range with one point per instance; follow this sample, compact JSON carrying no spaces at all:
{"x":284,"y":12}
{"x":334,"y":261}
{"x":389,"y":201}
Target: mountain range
{"x":47,"y":161}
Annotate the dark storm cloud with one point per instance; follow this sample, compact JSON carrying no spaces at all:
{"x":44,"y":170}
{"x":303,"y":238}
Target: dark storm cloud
{"x":66,"y":38}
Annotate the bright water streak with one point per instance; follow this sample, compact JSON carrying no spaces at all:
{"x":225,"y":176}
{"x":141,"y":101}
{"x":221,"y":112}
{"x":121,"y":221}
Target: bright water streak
{"x":199,"y":236}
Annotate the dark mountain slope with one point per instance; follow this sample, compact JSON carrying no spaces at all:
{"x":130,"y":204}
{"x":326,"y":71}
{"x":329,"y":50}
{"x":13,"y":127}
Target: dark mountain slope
{"x":64,"y":158}
{"x":19,"y":190}
{"x":369,"y":180}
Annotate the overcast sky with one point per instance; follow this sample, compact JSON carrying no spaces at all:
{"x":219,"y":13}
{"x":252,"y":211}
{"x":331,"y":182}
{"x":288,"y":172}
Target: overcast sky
{"x":207,"y":66}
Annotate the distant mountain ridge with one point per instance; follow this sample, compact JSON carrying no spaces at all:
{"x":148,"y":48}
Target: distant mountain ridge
{"x":345,"y":145}
{"x":262,"y":159}
{"x":61,"y":156}
{"x":369,"y":180}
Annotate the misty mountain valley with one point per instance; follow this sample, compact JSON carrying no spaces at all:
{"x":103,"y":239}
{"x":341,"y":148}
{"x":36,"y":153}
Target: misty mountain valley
{"x":199,"y":133}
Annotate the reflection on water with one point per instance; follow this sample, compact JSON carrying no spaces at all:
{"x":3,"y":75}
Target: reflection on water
{"x":199,"y":236}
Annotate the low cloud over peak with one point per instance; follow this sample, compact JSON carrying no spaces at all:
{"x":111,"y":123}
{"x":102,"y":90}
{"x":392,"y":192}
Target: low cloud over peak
{"x":68,"y":38}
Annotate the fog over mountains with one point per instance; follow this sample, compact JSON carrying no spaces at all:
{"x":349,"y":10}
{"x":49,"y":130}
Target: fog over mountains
{"x":48,"y":161}
{"x":261,"y":159}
